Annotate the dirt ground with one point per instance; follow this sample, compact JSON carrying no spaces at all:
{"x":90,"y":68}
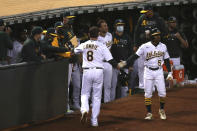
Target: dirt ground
{"x":128,"y":114}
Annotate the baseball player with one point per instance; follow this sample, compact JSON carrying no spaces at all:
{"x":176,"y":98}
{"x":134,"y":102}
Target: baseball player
{"x":155,"y":54}
{"x":146,"y":21}
{"x":94,"y":53}
{"x":106,"y":38}
{"x":121,"y":49}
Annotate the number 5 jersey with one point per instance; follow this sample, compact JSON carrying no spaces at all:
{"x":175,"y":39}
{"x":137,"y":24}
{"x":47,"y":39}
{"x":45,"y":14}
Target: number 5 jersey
{"x":153,"y":55}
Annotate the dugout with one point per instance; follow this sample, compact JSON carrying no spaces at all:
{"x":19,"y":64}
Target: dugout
{"x":46,"y":12}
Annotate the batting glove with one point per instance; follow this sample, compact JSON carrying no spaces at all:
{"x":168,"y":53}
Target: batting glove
{"x":122,"y":64}
{"x":169,"y":77}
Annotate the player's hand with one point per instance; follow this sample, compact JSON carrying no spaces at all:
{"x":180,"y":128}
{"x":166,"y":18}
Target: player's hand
{"x":169,"y":77}
{"x":122,"y":64}
{"x":178,"y":35}
{"x":43,"y":56}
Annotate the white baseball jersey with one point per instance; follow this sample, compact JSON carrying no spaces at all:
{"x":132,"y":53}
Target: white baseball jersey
{"x":107,"y":40}
{"x":94,"y":53}
{"x":153,"y":55}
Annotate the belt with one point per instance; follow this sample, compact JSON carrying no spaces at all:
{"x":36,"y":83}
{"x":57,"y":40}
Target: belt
{"x":86,"y":68}
{"x":154,"y":69}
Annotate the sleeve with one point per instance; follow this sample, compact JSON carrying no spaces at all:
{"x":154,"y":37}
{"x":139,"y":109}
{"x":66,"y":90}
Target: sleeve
{"x":166,"y":55}
{"x":140,"y":50}
{"x":53,"y":49}
{"x":131,"y":59}
{"x":183,"y":35}
{"x":79,"y":49}
{"x":28,"y":52}
{"x":137,"y":32}
{"x":167,"y":63}
{"x":106,"y":53}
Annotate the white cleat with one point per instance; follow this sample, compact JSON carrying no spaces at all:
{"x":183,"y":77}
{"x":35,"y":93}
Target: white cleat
{"x":84,"y":117}
{"x":162,"y":114}
{"x":94,"y":124}
{"x":149,"y":116}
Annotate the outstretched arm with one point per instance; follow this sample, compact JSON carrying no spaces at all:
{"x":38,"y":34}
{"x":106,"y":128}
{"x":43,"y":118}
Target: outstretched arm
{"x":129,"y":61}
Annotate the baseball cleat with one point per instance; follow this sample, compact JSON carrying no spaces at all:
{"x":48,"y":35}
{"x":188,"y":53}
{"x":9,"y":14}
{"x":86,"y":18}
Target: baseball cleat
{"x":149,"y":116}
{"x":94,"y":125}
{"x":162,"y":114}
{"x":84,"y":117}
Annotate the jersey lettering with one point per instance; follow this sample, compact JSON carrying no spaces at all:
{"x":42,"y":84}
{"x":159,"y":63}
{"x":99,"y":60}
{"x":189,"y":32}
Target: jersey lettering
{"x":154,"y":54}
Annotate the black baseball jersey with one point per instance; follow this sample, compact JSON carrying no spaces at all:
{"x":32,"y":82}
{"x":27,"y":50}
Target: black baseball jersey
{"x":173,"y":43}
{"x":145,"y":23}
{"x":121,"y":47}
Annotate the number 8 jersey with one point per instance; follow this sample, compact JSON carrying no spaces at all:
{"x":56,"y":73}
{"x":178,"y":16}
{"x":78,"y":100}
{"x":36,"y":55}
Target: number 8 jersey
{"x":94,"y":53}
{"x":153,"y":55}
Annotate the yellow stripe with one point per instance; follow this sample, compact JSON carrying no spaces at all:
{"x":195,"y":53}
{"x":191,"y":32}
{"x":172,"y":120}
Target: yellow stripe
{"x":143,"y":11}
{"x":157,"y":33}
{"x":69,"y":17}
{"x":120,"y":23}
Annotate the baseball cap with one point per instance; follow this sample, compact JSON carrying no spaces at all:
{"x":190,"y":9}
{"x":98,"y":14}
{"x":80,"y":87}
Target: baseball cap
{"x":58,"y":24}
{"x":146,"y":9}
{"x":1,"y":22}
{"x":155,"y":31}
{"x":36,"y":30}
{"x":51,"y":31}
{"x":67,"y":15}
{"x":172,"y":19}
{"x":119,"y":22}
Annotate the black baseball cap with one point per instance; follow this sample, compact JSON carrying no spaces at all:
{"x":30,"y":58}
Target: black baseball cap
{"x":172,"y":19}
{"x":51,"y":31}
{"x":119,"y":22}
{"x":146,"y":9}
{"x":58,"y":24}
{"x":67,"y":15}
{"x":1,"y":22}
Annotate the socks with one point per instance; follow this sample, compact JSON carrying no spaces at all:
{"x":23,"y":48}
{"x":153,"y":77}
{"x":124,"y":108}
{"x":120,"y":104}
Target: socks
{"x":148,"y":103}
{"x":162,"y":102}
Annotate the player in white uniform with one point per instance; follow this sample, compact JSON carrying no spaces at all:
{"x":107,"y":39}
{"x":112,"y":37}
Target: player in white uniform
{"x":106,"y":38}
{"x":94,"y":53}
{"x":155,"y":54}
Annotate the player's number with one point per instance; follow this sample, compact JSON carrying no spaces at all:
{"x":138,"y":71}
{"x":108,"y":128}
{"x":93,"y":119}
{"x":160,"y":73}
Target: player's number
{"x":90,"y":55}
{"x":159,"y":62}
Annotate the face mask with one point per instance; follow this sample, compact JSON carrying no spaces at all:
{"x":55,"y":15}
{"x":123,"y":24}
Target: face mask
{"x":42,"y":37}
{"x":120,"y":28}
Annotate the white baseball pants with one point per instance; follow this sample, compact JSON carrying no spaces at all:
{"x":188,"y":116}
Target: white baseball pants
{"x":92,"y":80}
{"x":151,"y":78}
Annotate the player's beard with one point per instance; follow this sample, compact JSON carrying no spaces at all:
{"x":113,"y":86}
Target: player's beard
{"x":156,"y":40}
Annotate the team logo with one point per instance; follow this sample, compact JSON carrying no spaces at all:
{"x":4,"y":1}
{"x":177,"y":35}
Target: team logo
{"x":154,"y":54}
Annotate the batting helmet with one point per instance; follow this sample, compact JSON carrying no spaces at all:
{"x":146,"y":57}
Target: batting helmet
{"x":155,"y":31}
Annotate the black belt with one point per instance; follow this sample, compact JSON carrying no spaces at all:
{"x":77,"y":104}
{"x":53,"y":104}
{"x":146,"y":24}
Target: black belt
{"x":92,"y":68}
{"x":154,"y":69}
